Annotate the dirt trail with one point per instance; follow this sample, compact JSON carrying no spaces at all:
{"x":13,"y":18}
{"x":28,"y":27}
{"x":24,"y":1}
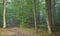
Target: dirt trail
{"x":14,"y":32}
{"x":18,"y":32}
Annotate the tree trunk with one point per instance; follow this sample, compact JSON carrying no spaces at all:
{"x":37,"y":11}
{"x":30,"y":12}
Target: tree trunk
{"x":49,"y":15}
{"x":53,"y":14}
{"x":35,"y":16}
{"x":4,"y":15}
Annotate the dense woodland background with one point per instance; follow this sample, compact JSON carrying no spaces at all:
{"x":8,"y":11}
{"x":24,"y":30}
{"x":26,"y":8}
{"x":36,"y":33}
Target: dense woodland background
{"x":20,"y":13}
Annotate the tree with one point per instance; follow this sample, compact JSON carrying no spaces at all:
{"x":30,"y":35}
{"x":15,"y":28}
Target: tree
{"x":49,"y":15}
{"x":35,"y":16}
{"x":4,"y":15}
{"x":53,"y":14}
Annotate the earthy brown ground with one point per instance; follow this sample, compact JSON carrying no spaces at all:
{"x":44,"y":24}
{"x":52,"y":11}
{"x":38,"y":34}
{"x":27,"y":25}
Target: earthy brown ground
{"x":19,"y":32}
{"x":14,"y":32}
{"x":57,"y":32}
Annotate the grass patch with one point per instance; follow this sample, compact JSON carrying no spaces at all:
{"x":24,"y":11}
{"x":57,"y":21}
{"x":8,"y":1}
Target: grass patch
{"x":1,"y":33}
{"x":41,"y":32}
{"x":29,"y":30}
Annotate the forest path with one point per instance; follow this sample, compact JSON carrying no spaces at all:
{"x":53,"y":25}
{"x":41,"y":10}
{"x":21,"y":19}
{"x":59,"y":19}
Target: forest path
{"x":14,"y":32}
{"x":19,"y":32}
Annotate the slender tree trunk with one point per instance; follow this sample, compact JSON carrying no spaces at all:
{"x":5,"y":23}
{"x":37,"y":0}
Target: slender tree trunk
{"x":49,"y":15}
{"x":35,"y":16}
{"x":53,"y":14}
{"x":4,"y":15}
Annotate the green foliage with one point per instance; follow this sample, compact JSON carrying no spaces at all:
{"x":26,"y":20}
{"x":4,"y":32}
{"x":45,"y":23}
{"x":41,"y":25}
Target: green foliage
{"x":21,"y":12}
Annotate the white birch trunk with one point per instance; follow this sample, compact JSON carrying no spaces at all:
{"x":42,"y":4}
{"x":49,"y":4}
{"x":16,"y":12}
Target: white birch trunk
{"x":4,"y":15}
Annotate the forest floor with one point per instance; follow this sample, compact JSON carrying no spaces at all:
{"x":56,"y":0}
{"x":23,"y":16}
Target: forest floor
{"x":57,"y":33}
{"x":14,"y":32}
{"x":19,"y":32}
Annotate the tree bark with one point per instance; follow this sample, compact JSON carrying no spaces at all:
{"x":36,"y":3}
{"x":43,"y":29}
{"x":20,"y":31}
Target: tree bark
{"x":49,"y":15}
{"x":35,"y":16}
{"x":4,"y":15}
{"x":53,"y":14}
